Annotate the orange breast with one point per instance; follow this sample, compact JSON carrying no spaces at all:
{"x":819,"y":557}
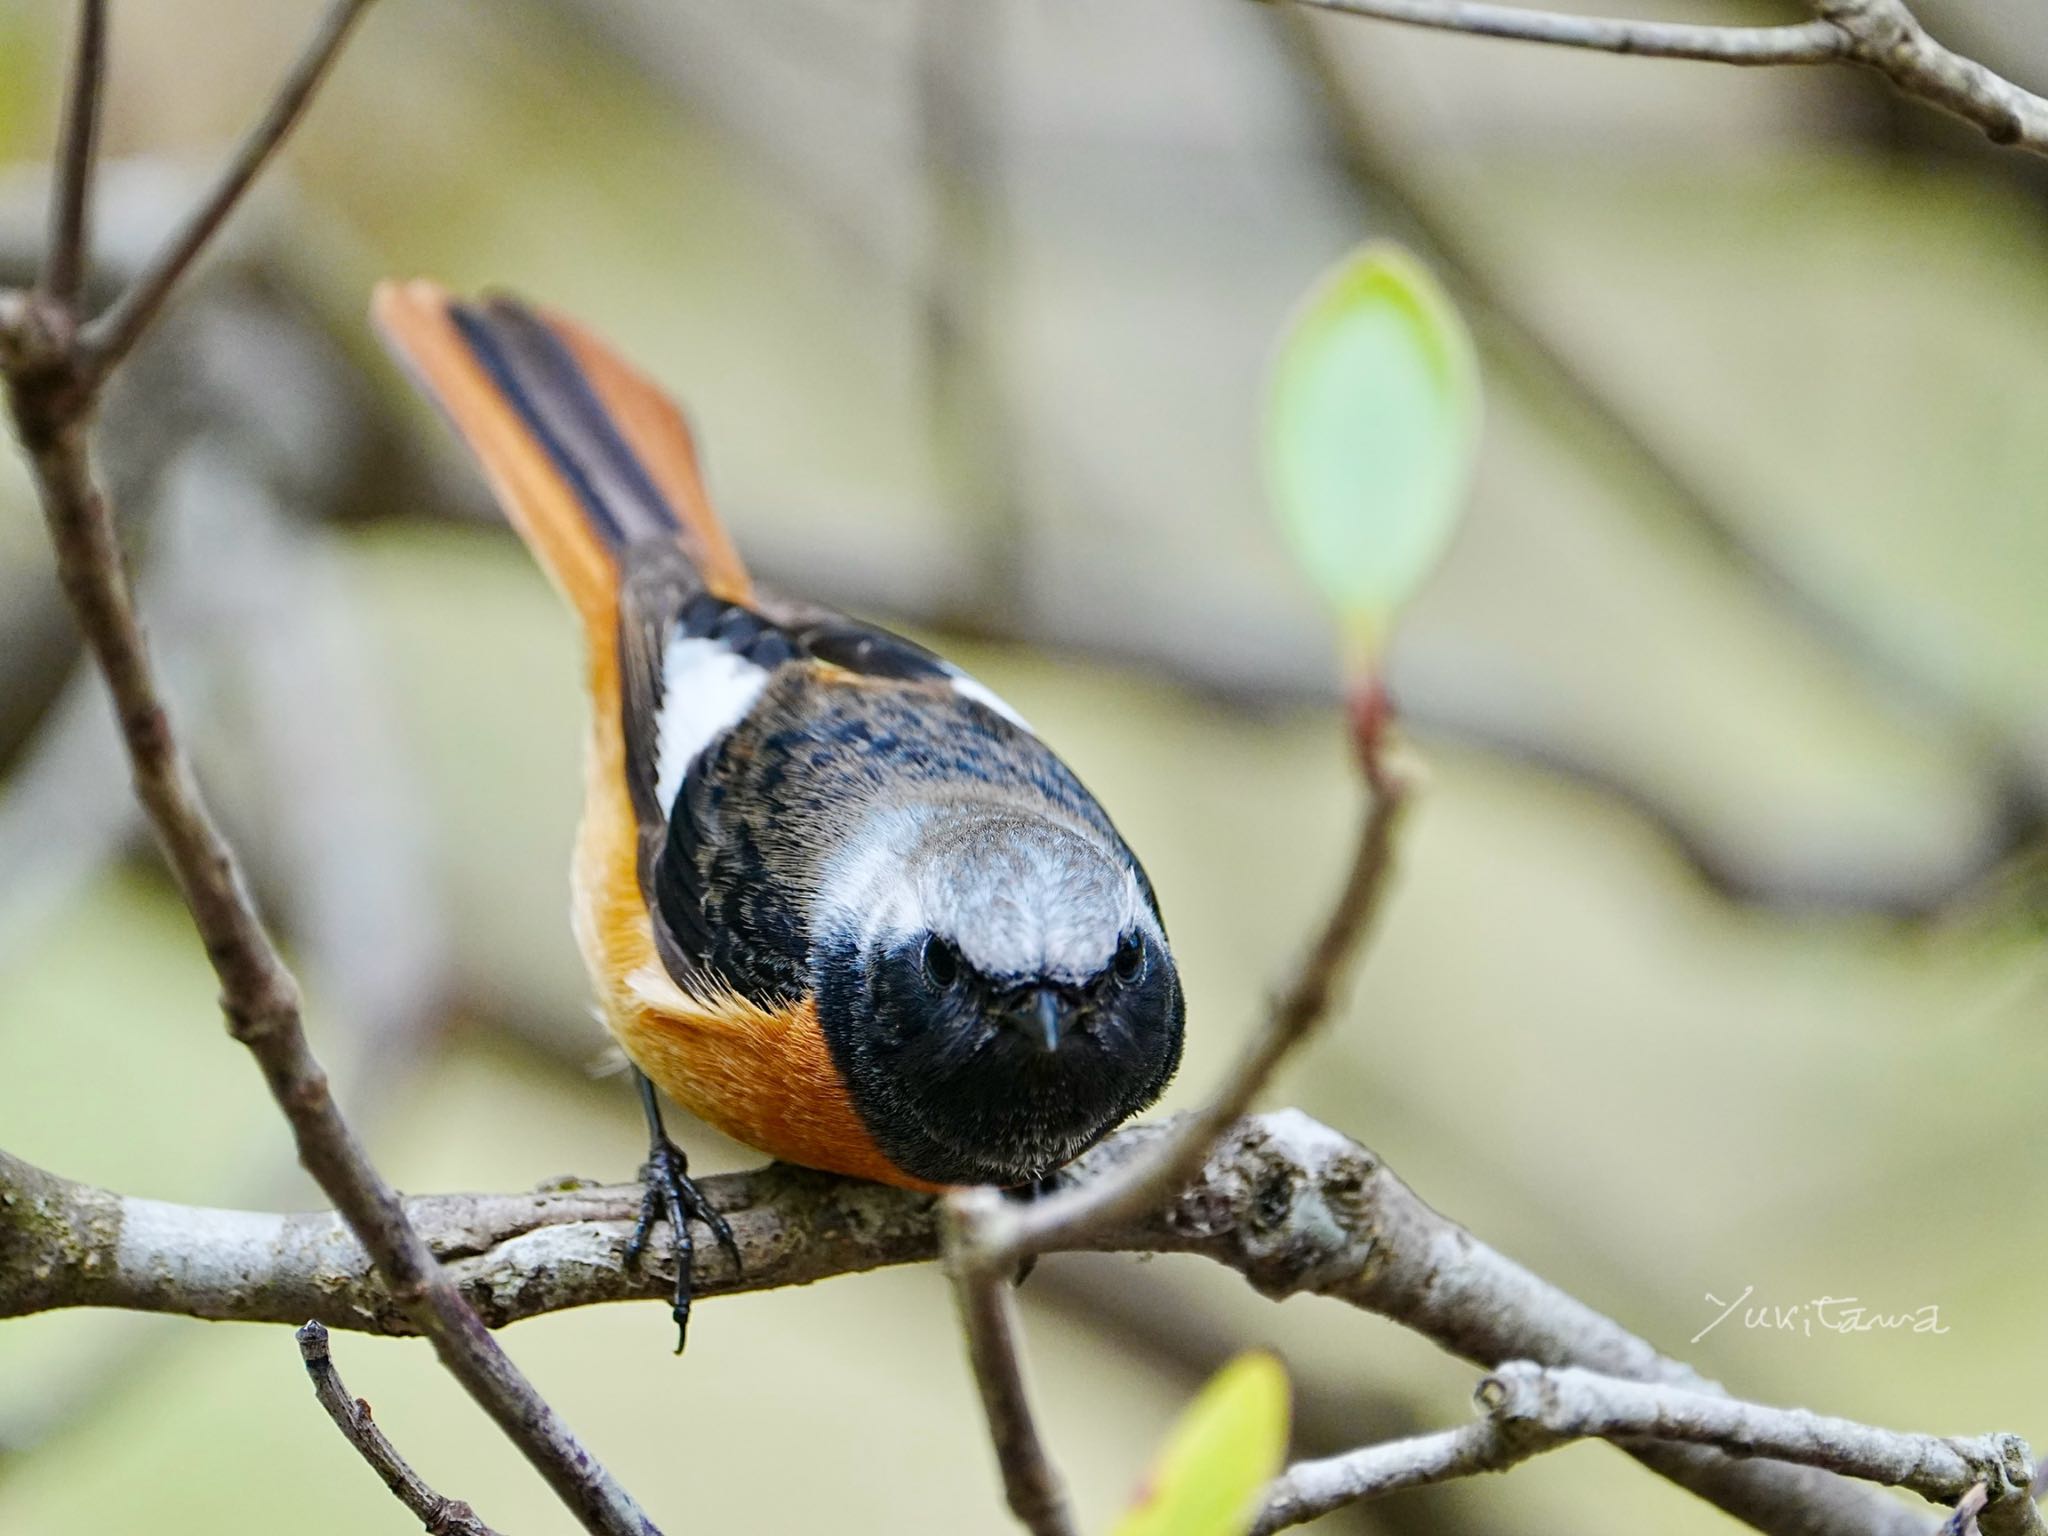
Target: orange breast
{"x":764,"y":1078}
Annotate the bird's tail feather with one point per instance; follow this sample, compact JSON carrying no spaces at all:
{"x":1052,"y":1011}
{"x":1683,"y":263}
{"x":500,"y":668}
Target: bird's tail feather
{"x":587,"y":458}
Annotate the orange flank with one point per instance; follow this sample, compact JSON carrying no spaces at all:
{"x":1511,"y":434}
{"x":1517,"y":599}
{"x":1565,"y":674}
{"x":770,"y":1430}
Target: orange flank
{"x":766,"y":1079}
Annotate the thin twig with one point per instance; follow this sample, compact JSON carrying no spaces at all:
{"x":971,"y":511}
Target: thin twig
{"x":1069,"y":1217}
{"x":71,"y":185}
{"x":988,"y":1239}
{"x":1574,"y":1403}
{"x":1309,"y":1490}
{"x":1881,"y":34}
{"x":258,"y":993}
{"x":108,"y":338}
{"x":1529,"y":1409}
{"x":1885,"y":35}
{"x":1813,"y":42}
{"x":53,"y":373}
{"x":351,"y":1415}
{"x":988,"y":1316}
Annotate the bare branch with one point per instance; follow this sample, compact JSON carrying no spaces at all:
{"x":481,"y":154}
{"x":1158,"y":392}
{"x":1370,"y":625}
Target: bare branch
{"x":109,"y":338}
{"x":1813,"y":42}
{"x":1529,"y":1409}
{"x":52,"y":372}
{"x":988,"y":1316}
{"x":258,"y":994}
{"x":1885,"y":35}
{"x":1468,"y":1300}
{"x":351,"y":1415}
{"x":1882,"y":34}
{"x":71,"y":185}
{"x":1067,"y":1219}
{"x":1573,"y":1403}
{"x":1288,"y":1203}
{"x":989,"y":1239}
{"x":1309,"y":1490}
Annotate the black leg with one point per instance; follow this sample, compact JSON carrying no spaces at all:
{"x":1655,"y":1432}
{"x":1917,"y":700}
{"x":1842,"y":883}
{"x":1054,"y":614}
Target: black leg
{"x":671,"y":1194}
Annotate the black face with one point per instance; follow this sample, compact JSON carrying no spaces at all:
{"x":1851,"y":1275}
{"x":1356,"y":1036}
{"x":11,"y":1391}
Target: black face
{"x":968,"y":1079}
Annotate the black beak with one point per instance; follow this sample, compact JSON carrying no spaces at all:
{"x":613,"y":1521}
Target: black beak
{"x":1043,"y":1015}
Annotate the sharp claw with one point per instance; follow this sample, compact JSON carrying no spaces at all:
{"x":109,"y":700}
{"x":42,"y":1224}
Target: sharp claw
{"x":672,"y":1195}
{"x":722,"y":1230}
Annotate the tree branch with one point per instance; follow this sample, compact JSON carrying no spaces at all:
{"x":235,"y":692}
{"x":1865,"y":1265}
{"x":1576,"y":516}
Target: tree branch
{"x":1529,"y":1409}
{"x":351,"y":1415}
{"x":54,"y":371}
{"x":71,"y":185}
{"x":1288,"y":1203}
{"x":1881,"y":34}
{"x":989,"y":1239}
{"x":1886,"y":36}
{"x":258,"y":994}
{"x":1813,"y":42}
{"x":109,"y":338}
{"x":1309,"y":1490}
{"x":1070,"y":1217}
{"x":988,"y":1316}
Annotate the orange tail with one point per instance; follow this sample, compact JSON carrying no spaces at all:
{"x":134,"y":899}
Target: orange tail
{"x":586,"y":456}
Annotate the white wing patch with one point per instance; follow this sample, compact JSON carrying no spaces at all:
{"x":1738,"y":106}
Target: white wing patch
{"x":968,"y":688}
{"x":705,"y":691}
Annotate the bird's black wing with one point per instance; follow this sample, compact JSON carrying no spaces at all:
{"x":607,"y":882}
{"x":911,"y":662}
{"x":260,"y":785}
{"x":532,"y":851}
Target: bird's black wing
{"x":694,"y":667}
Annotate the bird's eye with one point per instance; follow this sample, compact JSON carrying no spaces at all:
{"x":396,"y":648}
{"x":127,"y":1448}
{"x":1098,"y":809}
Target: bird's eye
{"x":941,"y":963}
{"x":1130,"y":958}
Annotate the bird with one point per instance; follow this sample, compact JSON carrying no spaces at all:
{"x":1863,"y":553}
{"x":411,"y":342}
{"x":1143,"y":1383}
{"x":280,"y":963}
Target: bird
{"x":835,"y":897}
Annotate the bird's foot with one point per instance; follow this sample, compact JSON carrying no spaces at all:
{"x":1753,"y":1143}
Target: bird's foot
{"x":672,"y":1194}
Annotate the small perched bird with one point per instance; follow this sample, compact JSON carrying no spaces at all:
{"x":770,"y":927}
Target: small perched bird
{"x":836,"y":898}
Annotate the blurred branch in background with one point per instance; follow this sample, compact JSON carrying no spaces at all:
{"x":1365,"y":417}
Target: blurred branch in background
{"x":958,"y":78}
{"x":1288,"y":1203}
{"x":65,"y":814}
{"x":342,"y":846}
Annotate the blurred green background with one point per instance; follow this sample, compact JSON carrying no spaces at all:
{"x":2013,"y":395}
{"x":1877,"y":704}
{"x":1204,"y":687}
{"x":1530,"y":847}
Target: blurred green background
{"x":1718,"y":958}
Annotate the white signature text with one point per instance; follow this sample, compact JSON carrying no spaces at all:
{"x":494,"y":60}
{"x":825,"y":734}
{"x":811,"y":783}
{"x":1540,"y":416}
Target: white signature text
{"x":1822,"y":1314}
